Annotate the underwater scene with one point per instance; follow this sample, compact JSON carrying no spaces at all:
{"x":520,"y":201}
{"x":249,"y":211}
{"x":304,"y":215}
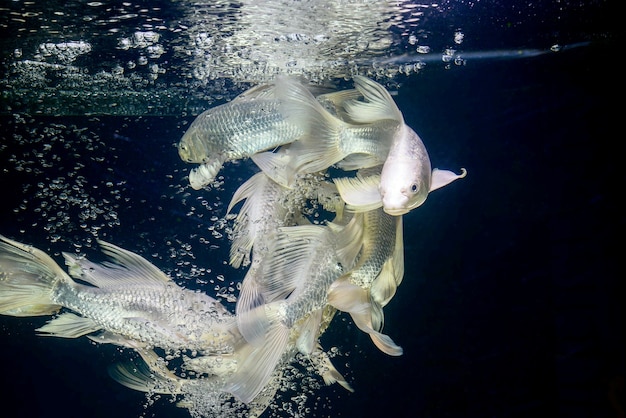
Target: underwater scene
{"x":311,"y":209}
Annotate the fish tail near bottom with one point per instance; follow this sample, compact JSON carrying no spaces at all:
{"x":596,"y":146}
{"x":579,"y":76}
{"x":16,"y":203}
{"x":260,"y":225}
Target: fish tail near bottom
{"x":28,"y":277}
{"x":257,"y":369}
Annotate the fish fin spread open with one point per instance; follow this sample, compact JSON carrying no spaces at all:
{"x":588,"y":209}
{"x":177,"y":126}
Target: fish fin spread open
{"x":440,"y":178}
{"x":68,"y":325}
{"x":276,"y":165}
{"x":327,"y":369}
{"x":251,"y":320}
{"x":288,"y":261}
{"x":147,"y":375}
{"x":319,"y":148}
{"x":28,"y":278}
{"x":125,"y":268}
{"x":246,"y":228}
{"x":205,"y":173}
{"x":256,"y":370}
{"x":361,"y":194}
{"x":247,"y":190}
{"x":334,"y":102}
{"x":378,"y":104}
{"x":357,"y":161}
{"x":355,"y":300}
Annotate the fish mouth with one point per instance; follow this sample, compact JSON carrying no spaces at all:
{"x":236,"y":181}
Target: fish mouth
{"x":396,"y":211}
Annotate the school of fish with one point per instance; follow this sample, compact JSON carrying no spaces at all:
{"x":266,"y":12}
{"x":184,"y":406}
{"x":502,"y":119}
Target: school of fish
{"x":300,"y":271}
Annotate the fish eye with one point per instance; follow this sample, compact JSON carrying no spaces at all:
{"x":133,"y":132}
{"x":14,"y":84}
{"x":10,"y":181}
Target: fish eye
{"x":413,"y":188}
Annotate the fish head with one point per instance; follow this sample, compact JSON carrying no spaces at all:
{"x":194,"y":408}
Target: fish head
{"x":406,"y":175}
{"x":192,"y":147}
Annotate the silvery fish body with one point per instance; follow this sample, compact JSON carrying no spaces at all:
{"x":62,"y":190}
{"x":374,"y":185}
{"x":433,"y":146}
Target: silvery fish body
{"x":126,"y":300}
{"x":249,"y":124}
{"x":296,"y":274}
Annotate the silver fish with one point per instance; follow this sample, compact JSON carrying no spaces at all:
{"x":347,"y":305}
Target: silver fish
{"x":302,"y":263}
{"x":127,"y":301}
{"x":267,"y":207}
{"x":249,"y":124}
{"x":367,"y":133}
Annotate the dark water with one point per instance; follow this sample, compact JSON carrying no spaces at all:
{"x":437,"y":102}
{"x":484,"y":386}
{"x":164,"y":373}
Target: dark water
{"x":511,"y":304}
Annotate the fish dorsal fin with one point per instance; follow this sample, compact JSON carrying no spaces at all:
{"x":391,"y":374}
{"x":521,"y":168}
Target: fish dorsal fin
{"x":334,"y":102}
{"x":125,"y":269}
{"x":378,"y":104}
{"x":442,"y":178}
{"x":260,"y":91}
{"x":360,"y":193}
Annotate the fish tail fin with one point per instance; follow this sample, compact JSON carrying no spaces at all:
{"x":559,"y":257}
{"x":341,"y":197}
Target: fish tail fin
{"x":320,"y":146}
{"x":327,"y":369}
{"x":355,"y":300}
{"x":258,"y":367}
{"x":28,"y":277}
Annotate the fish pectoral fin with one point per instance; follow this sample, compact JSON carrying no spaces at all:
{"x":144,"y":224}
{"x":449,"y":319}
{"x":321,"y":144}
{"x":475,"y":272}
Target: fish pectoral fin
{"x":378,"y":104}
{"x":256,"y":370}
{"x":360,"y":194}
{"x":140,"y":376}
{"x":68,"y":325}
{"x":348,"y":297}
{"x":108,"y":337}
{"x":278,"y":166}
{"x":442,"y":178}
{"x":204,"y":174}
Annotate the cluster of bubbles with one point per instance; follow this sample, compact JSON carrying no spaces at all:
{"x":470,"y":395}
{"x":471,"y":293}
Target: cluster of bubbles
{"x":72,"y":194}
{"x":56,"y":190}
{"x":136,"y":60}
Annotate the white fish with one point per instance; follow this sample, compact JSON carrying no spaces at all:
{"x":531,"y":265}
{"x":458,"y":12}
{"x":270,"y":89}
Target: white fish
{"x":371,"y":133}
{"x":126,"y":300}
{"x":297,"y":271}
